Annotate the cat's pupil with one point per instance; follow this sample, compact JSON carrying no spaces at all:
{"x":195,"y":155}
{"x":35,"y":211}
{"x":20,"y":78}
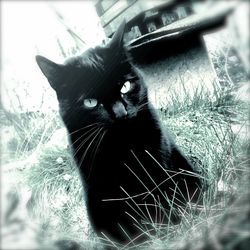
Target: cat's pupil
{"x":126,"y":87}
{"x":90,"y":102}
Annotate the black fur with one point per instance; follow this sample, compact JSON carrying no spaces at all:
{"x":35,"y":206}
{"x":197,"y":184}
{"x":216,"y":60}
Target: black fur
{"x":119,"y":145}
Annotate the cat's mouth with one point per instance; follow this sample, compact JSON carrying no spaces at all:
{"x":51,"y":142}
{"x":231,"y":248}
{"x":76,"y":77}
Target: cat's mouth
{"x":128,"y":118}
{"x":121,"y":123}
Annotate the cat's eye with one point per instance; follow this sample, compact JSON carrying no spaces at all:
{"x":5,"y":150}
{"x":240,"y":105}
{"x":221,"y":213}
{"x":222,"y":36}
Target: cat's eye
{"x":126,"y":87}
{"x":90,"y":102}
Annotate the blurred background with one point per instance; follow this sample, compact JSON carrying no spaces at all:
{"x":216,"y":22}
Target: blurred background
{"x":31,"y":28}
{"x":57,"y":29}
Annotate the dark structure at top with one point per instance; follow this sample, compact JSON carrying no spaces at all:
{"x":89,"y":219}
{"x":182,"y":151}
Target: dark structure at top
{"x":142,"y":16}
{"x":162,"y":26}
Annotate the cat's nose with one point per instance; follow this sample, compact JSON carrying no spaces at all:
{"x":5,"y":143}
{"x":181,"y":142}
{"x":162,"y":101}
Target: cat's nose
{"x":119,"y":110}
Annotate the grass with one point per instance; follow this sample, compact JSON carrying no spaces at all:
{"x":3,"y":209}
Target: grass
{"x":202,"y":127}
{"x":202,"y":130}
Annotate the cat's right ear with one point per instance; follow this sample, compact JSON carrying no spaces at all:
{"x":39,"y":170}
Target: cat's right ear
{"x":50,"y":69}
{"x":117,"y":39}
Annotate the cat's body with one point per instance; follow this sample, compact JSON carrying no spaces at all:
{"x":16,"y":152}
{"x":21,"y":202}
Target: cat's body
{"x":125,"y":158}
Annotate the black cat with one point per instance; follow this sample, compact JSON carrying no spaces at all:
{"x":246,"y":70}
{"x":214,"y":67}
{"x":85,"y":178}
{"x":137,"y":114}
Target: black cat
{"x":132,"y":170}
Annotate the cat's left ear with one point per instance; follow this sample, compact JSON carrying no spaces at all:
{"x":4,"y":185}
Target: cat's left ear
{"x":117,"y":39}
{"x":51,"y":70}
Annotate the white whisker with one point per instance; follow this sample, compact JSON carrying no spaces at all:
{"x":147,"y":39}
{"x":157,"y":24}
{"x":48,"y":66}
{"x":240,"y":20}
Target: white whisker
{"x":85,"y":152}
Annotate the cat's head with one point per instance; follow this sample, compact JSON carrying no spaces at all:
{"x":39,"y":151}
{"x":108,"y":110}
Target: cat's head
{"x":100,"y":85}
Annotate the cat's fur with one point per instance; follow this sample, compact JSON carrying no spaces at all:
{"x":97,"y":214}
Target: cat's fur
{"x":119,"y":145}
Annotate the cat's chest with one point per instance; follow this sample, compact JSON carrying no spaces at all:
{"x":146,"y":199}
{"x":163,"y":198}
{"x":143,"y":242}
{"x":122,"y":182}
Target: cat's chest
{"x":124,"y":165}
{"x":119,"y":148}
{"x":122,"y":141}
{"x":129,"y":147}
